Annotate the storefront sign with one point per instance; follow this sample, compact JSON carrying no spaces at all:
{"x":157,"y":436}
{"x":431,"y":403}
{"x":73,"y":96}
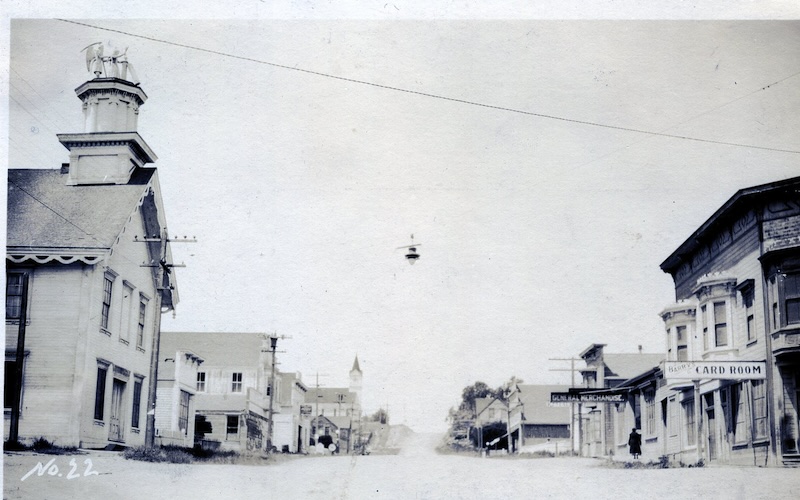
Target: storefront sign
{"x":728,"y":370}
{"x":305,"y":409}
{"x":591,"y":396}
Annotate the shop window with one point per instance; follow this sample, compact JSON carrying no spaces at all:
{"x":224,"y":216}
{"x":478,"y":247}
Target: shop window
{"x":232,"y":428}
{"x":637,"y":411}
{"x":759,"y":409}
{"x":688,"y":417}
{"x":650,"y":411}
{"x":100,"y":392}
{"x":183,"y":414}
{"x":137,"y":402}
{"x":672,"y":421}
{"x":739,"y":413}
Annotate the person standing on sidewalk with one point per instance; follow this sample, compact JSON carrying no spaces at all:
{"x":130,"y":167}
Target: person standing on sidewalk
{"x":635,"y":443}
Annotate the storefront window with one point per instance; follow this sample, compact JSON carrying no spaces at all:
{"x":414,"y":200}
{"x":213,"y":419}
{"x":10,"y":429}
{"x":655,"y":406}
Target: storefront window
{"x":759,"y":410}
{"x":691,"y":429}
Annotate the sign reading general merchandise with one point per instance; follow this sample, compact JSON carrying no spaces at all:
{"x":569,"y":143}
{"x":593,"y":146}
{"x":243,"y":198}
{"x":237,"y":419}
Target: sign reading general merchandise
{"x":576,"y":396}
{"x":728,"y":370}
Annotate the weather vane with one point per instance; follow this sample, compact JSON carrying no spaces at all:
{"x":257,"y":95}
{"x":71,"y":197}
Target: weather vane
{"x":115,"y":65}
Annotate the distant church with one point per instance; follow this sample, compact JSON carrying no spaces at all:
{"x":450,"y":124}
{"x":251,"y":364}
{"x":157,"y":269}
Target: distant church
{"x":339,"y":401}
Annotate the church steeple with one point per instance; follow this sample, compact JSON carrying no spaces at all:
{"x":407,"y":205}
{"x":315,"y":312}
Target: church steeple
{"x":109,"y":149}
{"x":356,"y":379}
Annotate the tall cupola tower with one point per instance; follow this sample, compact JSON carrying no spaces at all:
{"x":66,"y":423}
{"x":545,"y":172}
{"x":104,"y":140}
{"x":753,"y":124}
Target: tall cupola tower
{"x":109,"y":149}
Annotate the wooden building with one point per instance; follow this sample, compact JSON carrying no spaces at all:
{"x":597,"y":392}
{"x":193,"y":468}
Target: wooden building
{"x":737,"y":291}
{"x":81,"y":310}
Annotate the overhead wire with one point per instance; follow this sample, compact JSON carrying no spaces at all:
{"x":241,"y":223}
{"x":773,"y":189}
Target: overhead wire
{"x":437,"y":96}
{"x":694,"y":117}
{"x":63,"y":120}
{"x":53,"y":123}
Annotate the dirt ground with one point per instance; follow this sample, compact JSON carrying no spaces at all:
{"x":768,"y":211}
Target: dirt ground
{"x":417,"y":472}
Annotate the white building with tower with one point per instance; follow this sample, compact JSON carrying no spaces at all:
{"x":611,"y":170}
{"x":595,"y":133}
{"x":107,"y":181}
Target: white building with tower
{"x":81,"y":309}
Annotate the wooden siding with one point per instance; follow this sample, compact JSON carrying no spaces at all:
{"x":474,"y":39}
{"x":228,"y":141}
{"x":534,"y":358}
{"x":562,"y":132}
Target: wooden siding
{"x":65,"y":341}
{"x":745,"y":246}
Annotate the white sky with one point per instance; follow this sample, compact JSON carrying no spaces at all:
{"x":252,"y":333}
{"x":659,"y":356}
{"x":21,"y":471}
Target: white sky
{"x":539,"y":236}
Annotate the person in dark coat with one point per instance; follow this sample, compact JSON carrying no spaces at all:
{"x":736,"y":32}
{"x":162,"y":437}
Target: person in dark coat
{"x":635,"y":443}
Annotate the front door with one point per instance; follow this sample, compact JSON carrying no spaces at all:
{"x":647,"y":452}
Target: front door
{"x":115,"y":432}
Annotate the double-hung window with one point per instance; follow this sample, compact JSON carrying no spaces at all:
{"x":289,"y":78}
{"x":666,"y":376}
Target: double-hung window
{"x":704,"y":323}
{"x":108,"y":294}
{"x":681,"y":343}
{"x":142,"y":320}
{"x":748,"y":296}
{"x":720,"y":325}
{"x":201,"y":381}
{"x":14,"y":290}
{"x":791,"y":298}
{"x":236,"y":382}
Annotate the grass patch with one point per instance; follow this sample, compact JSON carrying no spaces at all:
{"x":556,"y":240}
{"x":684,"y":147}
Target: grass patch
{"x":663,"y":462}
{"x":178,"y":455}
{"x":172,"y":455}
{"x":40,"y":445}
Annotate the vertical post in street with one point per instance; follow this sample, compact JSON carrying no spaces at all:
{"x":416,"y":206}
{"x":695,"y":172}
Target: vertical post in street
{"x":273,"y":344}
{"x":13,"y":431}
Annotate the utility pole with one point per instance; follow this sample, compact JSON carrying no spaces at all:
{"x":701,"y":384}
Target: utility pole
{"x":316,"y":416}
{"x":162,"y":268}
{"x":273,"y":344}
{"x":572,"y":415}
{"x":13,"y":431}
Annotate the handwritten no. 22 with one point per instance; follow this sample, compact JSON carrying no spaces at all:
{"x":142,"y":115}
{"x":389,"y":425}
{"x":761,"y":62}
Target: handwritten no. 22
{"x":51,"y":469}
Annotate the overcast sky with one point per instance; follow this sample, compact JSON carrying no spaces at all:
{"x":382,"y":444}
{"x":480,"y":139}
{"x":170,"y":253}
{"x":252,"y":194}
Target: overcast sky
{"x":540,"y":235}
